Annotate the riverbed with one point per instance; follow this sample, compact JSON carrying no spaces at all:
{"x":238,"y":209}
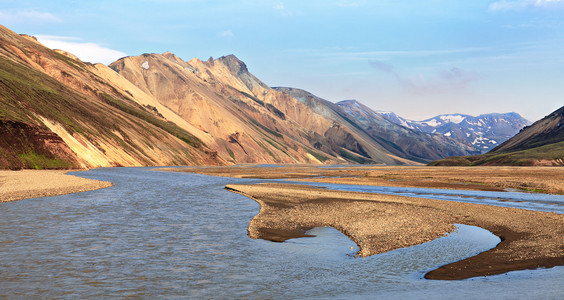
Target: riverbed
{"x":180,"y":235}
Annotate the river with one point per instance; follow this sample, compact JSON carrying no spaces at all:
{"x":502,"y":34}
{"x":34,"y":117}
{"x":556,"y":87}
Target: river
{"x":179,"y":235}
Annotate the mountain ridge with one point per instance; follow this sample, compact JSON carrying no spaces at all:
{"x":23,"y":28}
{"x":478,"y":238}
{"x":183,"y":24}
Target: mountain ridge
{"x":484,"y":132}
{"x":540,"y":144}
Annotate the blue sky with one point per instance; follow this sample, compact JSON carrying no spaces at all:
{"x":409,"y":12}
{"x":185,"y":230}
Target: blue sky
{"x":416,"y":58}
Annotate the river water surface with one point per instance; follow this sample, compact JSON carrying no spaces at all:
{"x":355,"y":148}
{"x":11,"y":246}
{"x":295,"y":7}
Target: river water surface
{"x":180,"y":235}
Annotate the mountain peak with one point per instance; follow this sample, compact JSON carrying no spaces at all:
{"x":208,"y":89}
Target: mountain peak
{"x":234,"y":64}
{"x":171,"y":56}
{"x":348,"y":101}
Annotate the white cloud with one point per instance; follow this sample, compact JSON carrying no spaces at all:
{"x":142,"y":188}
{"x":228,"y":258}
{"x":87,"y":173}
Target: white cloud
{"x":227,"y":34}
{"x":283,"y":10}
{"x":88,"y":52}
{"x":524,"y":4}
{"x":31,"y":16}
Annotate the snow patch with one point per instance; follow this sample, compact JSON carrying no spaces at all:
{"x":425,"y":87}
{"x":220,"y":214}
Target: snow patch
{"x":448,"y":134}
{"x":432,"y":123}
{"x":145,"y":65}
{"x":456,"y":119}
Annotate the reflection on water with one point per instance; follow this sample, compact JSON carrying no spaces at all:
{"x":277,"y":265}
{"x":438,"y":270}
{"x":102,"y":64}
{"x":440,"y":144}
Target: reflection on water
{"x":167,"y":235}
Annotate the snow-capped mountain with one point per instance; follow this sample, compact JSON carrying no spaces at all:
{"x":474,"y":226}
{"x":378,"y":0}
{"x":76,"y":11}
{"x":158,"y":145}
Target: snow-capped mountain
{"x":484,"y":132}
{"x":399,"y":140}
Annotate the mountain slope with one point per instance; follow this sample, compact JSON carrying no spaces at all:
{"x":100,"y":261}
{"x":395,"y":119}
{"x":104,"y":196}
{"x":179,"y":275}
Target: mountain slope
{"x":58,"y":112}
{"x":344,"y":128}
{"x":244,"y":116}
{"x":403,"y":141}
{"x":541,"y":144}
{"x":484,"y":132}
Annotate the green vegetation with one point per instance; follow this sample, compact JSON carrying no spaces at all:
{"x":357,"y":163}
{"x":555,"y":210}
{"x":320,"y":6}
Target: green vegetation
{"x":320,"y":157}
{"x":264,"y":128}
{"x":230,"y":152}
{"x":265,"y":148}
{"x":530,"y":157}
{"x":355,"y":158}
{"x":32,"y":160}
{"x":138,"y":111}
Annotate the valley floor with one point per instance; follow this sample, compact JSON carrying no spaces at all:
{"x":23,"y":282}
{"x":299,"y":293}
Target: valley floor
{"x":548,"y":180}
{"x":379,"y":223}
{"x":17,"y":185}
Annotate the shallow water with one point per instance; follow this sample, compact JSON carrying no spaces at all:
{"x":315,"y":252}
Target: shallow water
{"x":531,"y":201}
{"x":180,"y":235}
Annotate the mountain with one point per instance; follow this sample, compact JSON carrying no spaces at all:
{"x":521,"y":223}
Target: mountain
{"x":403,"y":141}
{"x":58,"y":112}
{"x":156,"y":109}
{"x":345,"y":132}
{"x":484,"y":132}
{"x":541,"y":144}
{"x":242,"y":118}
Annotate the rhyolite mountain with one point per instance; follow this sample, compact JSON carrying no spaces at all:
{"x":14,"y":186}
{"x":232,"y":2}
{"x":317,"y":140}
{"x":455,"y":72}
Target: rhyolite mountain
{"x":541,"y":144}
{"x":483,"y":132}
{"x":242,"y":118}
{"x":58,"y":112}
{"x":156,"y":109}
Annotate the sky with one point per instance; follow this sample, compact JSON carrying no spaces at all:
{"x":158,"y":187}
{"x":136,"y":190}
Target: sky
{"x":416,"y":58}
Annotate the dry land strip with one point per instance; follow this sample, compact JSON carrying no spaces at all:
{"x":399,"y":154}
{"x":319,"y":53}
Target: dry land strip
{"x":17,"y":185}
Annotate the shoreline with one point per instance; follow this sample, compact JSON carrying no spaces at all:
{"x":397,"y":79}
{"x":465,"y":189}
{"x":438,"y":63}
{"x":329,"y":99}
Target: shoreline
{"x":548,"y":180}
{"x":380,"y":223}
{"x":25,"y":184}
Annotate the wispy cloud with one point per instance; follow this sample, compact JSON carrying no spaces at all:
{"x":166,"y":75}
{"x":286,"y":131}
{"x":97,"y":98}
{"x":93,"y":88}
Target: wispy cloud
{"x":525,"y":4}
{"x":443,"y":81}
{"x":381,"y":66}
{"x":226,"y":34}
{"x":89,"y":52}
{"x":30,"y":16}
{"x":284,"y":10}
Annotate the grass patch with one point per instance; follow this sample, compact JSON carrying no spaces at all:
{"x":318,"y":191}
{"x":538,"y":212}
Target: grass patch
{"x":355,"y":158}
{"x":142,"y":114}
{"x":320,"y":157}
{"x":230,"y":152}
{"x":264,"y":128}
{"x":32,"y":160}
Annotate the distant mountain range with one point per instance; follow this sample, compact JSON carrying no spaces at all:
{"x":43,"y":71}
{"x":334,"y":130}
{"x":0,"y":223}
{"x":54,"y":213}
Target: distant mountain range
{"x":541,"y":144}
{"x":402,"y":140}
{"x":157,"y":109}
{"x":483,"y":132}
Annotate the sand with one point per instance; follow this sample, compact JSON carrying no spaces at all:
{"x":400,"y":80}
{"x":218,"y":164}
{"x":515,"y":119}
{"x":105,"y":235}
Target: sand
{"x":380,"y":223}
{"x":17,"y":185}
{"x":538,"y":179}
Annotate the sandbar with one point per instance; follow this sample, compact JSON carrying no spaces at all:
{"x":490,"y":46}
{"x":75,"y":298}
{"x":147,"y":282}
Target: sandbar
{"x":23,"y":184}
{"x":379,"y":223}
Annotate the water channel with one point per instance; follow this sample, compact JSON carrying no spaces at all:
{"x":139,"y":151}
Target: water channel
{"x":178,"y":235}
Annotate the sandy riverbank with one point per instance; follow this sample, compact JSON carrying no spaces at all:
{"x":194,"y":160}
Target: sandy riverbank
{"x":17,"y":185}
{"x":537,"y":179}
{"x":380,"y":223}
